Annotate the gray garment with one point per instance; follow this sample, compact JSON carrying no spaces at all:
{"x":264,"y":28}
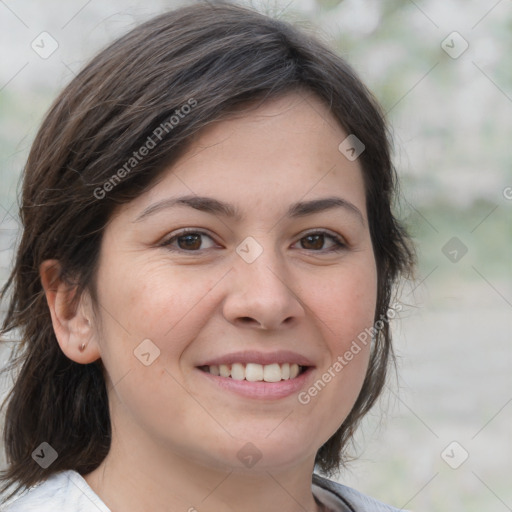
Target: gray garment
{"x":340,"y":498}
{"x":67,"y":491}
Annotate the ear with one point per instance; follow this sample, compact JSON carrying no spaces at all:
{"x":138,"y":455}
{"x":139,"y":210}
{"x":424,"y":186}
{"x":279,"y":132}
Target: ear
{"x":73,"y":327}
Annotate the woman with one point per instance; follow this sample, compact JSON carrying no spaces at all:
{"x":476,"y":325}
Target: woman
{"x":204,"y":282}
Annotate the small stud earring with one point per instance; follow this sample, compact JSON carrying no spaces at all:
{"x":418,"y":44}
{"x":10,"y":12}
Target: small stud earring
{"x":82,"y":347}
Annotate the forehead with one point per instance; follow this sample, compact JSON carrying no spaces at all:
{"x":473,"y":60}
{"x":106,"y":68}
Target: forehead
{"x":265,"y":157}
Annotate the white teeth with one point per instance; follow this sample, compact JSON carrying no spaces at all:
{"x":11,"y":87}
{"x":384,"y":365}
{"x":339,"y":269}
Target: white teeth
{"x":272,"y":373}
{"x":253,"y":372}
{"x":224,"y":370}
{"x":237,"y":371}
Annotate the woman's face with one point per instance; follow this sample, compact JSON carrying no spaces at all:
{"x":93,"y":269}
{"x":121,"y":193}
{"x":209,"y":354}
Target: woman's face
{"x":268,"y":286}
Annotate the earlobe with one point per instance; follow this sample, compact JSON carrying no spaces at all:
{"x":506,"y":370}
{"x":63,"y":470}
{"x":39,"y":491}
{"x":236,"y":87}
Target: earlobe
{"x":72,"y":324}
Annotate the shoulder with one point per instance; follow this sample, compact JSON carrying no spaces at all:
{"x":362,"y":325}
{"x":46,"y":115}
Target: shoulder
{"x":352,"y":500}
{"x":66,"y":490}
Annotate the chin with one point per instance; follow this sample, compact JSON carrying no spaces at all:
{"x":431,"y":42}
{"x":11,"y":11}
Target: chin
{"x":267,"y":454}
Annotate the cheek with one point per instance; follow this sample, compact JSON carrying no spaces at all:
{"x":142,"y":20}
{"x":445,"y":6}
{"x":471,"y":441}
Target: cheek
{"x":348,"y":322}
{"x":148,"y":321}
{"x":344,"y":308}
{"x":154,"y":301}
{"x":346,"y":302}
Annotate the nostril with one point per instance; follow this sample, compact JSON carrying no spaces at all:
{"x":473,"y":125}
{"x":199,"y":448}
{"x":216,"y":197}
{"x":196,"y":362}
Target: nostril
{"x":248,"y":320}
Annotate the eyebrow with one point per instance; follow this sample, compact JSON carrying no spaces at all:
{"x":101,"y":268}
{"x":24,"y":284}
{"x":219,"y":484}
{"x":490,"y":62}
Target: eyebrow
{"x":216,"y":207}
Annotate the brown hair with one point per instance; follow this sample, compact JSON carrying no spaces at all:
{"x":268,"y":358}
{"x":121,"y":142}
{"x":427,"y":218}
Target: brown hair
{"x":222,"y":57}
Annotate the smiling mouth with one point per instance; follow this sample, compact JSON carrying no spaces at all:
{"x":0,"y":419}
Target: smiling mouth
{"x":254,"y":372}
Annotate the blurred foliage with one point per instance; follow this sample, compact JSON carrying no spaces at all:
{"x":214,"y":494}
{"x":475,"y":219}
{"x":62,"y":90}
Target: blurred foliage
{"x":451,"y":125}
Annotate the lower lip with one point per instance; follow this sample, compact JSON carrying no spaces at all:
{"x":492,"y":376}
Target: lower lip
{"x":260,"y":390}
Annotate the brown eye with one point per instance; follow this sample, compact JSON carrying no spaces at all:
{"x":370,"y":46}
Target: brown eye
{"x":188,"y":241}
{"x":315,"y":242}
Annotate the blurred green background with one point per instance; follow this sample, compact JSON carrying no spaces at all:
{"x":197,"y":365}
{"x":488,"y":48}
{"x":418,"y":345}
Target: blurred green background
{"x":451,"y":120}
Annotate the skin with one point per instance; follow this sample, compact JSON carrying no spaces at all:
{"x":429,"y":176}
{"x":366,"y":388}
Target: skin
{"x":175,"y":435}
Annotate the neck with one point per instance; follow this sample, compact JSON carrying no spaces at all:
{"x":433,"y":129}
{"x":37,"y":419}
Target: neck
{"x":146,"y":477}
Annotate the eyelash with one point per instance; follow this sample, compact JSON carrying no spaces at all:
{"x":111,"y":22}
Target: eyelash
{"x":340,"y":243}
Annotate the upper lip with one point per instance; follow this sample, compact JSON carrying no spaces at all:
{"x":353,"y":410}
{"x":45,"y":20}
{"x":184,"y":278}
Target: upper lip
{"x":263,"y":358}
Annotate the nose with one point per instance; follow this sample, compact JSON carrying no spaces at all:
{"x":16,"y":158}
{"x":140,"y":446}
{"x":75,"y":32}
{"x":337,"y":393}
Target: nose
{"x":261,"y":294}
